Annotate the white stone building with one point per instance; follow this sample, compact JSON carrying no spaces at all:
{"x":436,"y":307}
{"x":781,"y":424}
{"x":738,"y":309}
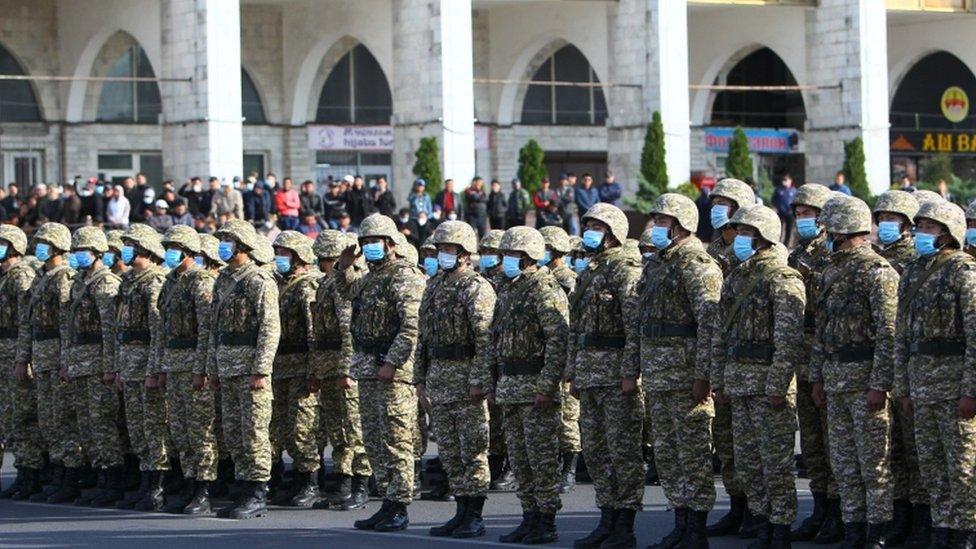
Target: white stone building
{"x":312,"y":88}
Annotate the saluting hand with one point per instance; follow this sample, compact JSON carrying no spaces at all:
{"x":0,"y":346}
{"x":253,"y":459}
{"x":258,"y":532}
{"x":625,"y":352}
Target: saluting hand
{"x":348,"y":257}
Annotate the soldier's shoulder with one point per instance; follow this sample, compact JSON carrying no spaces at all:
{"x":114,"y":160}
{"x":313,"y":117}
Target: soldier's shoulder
{"x":258,"y":274}
{"x":22,"y":274}
{"x":961,"y":261}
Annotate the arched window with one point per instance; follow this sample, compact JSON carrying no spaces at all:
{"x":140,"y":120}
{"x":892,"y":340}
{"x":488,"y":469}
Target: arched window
{"x":17,"y":101}
{"x":924,"y":100}
{"x":136,"y":102}
{"x":759,"y":109}
{"x":251,"y":108}
{"x":356,"y":91}
{"x":551,"y":104}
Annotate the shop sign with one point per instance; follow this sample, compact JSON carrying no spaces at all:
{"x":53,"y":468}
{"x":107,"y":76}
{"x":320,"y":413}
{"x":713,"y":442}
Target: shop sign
{"x":934,"y":142}
{"x":955,"y":104}
{"x":370,"y":138}
{"x":760,"y":140}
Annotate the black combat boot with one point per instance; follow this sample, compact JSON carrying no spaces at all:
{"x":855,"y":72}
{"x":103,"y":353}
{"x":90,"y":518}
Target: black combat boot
{"x":224,"y":512}
{"x":811,"y":525}
{"x":921,"y":527}
{"x":132,"y":498}
{"x":30,"y":484}
{"x":495,"y":464}
{"x":153,"y":499}
{"x":516,"y":536}
{"x":173,"y":481}
{"x":57,"y":478}
{"x":9,"y":491}
{"x":359,"y":496}
{"x":446,"y":529}
{"x":275,"y":485}
{"x":506,"y":481}
{"x":199,"y":504}
{"x":376,"y":518}
{"x":396,"y":518}
{"x":622,"y":535}
{"x":608,"y":517}
{"x":175,"y":503}
{"x":340,"y":495}
{"x":113,"y":492}
{"x":750,"y":524}
{"x":855,"y":533}
{"x":832,"y":530}
{"x":69,"y":490}
{"x":941,"y":538}
{"x":567,"y":477}
{"x":87,"y":477}
{"x":307,"y":490}
{"x":780,"y":538}
{"x":876,"y":536}
{"x":764,"y":534}
{"x":472,"y":525}
{"x":901,"y":523}
{"x":255,"y":502}
{"x":962,"y":539}
{"x":101,"y":484}
{"x":418,"y":479}
{"x":730,"y":522}
{"x":674,"y":537}
{"x":696,"y":536}
{"x":543,"y":531}
{"x":225,"y":476}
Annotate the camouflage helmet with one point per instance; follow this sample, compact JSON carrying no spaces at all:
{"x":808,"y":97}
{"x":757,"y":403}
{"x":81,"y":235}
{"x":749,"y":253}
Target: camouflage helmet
{"x":89,"y":238}
{"x":576,"y":244}
{"x":114,"y":238}
{"x":813,"y":195}
{"x":208,"y":248}
{"x":611,"y":216}
{"x":146,"y":238}
{"x":55,"y":234}
{"x":925,"y":195}
{"x":329,"y":244}
{"x":761,"y":218}
{"x":970,"y":212}
{"x":678,"y":206}
{"x":15,"y":236}
{"x":263,"y":251}
{"x":645,"y":238}
{"x":458,"y":233}
{"x":556,"y":239}
{"x":835,"y":199}
{"x":378,"y":225}
{"x":405,"y":249}
{"x":898,"y":202}
{"x":428,"y":245}
{"x":492,"y":239}
{"x":850,"y":216}
{"x":524,"y":239}
{"x":184,"y":237}
{"x":239,"y":230}
{"x":298,"y":244}
{"x":736,"y":190}
{"x":948,"y":215}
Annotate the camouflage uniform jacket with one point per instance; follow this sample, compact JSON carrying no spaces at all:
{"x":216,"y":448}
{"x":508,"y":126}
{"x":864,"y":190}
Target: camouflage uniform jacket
{"x":296,"y":299}
{"x":943,"y":310}
{"x":565,"y":276}
{"x":184,"y":305}
{"x":680,"y":288}
{"x":855,"y":312}
{"x":385,"y":310}
{"x":138,"y":329}
{"x":331,"y":348}
{"x":245,"y":326}
{"x":39,"y":339}
{"x":529,"y":327}
{"x":722,"y":252}
{"x":15,"y":285}
{"x":810,"y":259}
{"x":768,"y":325}
{"x":599,"y":309}
{"x":899,"y":253}
{"x":453,"y":351}
{"x":90,"y":347}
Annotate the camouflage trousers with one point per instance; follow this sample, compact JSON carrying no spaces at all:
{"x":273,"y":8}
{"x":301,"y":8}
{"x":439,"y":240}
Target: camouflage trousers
{"x":462,"y":443}
{"x":421,"y":433}
{"x":46,"y":387}
{"x":682,"y":448}
{"x":647,"y":427}
{"x":496,"y":432}
{"x":27,"y":443}
{"x":389,"y":420}
{"x":246,"y":419}
{"x":145,"y":419}
{"x":531,"y":435}
{"x":7,"y":385}
{"x":610,"y":423}
{"x":66,"y":438}
{"x":294,"y":421}
{"x":97,"y":411}
{"x":191,"y":426}
{"x":904,"y":459}
{"x":723,"y":442}
{"x":222,"y":451}
{"x":569,"y":430}
{"x":947,"y":460}
{"x":764,"y":442}
{"x":339,"y":419}
{"x":859,"y":457}
{"x":813,"y":441}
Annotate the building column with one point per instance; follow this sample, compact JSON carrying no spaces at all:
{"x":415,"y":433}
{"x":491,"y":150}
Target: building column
{"x":433,"y":92}
{"x":847,"y":48}
{"x":202,"y":130}
{"x":648,"y":45}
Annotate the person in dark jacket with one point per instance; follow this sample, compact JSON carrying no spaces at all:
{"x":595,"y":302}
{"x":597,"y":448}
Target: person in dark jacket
{"x":192,"y":191}
{"x":180,"y":214}
{"x":497,"y":205}
{"x":359,"y":202}
{"x":476,"y":206}
{"x":311,"y":203}
{"x":418,"y":229}
{"x":610,"y":191}
{"x":586,"y":194}
{"x":541,"y":199}
{"x":383,"y":199}
{"x":207,"y":196}
{"x":70,"y":206}
{"x":92,"y":203}
{"x":333,"y":204}
{"x":783,"y":196}
{"x":255,"y":205}
{"x":449,"y":201}
{"x":519,"y":203}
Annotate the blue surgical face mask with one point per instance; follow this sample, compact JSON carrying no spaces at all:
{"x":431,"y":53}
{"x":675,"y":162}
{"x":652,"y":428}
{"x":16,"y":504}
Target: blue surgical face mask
{"x":719,"y":215}
{"x":72,"y":261}
{"x":742,"y":246}
{"x":546,"y":258}
{"x":446,"y":261}
{"x":84,"y":258}
{"x":374,"y":251}
{"x":3,"y":252}
{"x":512,"y":266}
{"x":283,"y":264}
{"x":488,"y":262}
{"x":581,"y":264}
{"x":925,"y":244}
{"x":592,"y":239}
{"x":570,"y":262}
{"x":647,"y":255}
{"x":971,"y":237}
{"x":430,"y":265}
{"x":889,"y":231}
{"x":829,"y":245}
{"x":173,"y":258}
{"x":807,"y":227}
{"x":128,"y":254}
{"x":42,"y":251}
{"x":199,"y":261}
{"x":100,"y":189}
{"x":225,"y":250}
{"x":108,"y":259}
{"x":660,"y":237}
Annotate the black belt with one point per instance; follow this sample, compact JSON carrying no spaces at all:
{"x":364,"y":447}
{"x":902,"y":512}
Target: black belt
{"x":87,"y":338}
{"x":182,"y":343}
{"x":600,"y":341}
{"x":528,"y":367}
{"x":665,"y":329}
{"x":44,"y":335}
{"x":8,"y":333}
{"x":133,"y":336}
{"x":372,"y":347}
{"x":938,"y":347}
{"x":292,"y":347}
{"x":854,"y":353}
{"x":239,"y":339}
{"x":452,"y":352}
{"x":759,"y":352}
{"x":328,"y":344}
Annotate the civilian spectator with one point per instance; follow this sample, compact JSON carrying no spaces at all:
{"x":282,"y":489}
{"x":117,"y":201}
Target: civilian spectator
{"x":549,"y":217}
{"x":139,"y":191}
{"x":610,"y":190}
{"x":476,"y":206}
{"x":943,"y":188}
{"x":92,"y":202}
{"x":705,"y":230}
{"x":206,"y":199}
{"x":255,"y":205}
{"x":840,"y":186}
{"x":542,"y":198}
{"x":71,"y":206}
{"x":586,"y":195}
{"x":192,"y":191}
{"x":227,"y":202}
{"x":117,"y":210}
{"x":906,"y":184}
{"x":270,"y":227}
{"x":383,"y":198}
{"x":419,"y":200}
{"x":51,"y":207}
{"x":449,"y":201}
{"x":783,"y":196}
{"x":134,"y":196}
{"x":160,"y":219}
{"x":333,"y":204}
{"x":359,"y":202}
{"x":310,"y":202}
{"x":497,"y":205}
{"x":419,"y":229}
{"x":287,"y":204}
{"x":310,"y":226}
{"x":11,"y":202}
{"x":519,"y":203}
{"x":180,"y":214}
{"x":270,"y":186}
{"x":140,"y":208}
{"x":345,"y":224}
{"x":169,"y":195}
{"x":403,"y":218}
{"x":567,"y":203}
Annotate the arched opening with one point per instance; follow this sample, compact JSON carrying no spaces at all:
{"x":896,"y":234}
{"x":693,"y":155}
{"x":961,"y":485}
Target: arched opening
{"x":565,"y":105}
{"x":356,"y":91}
{"x":758,"y":109}
{"x":130,"y":101}
{"x":252,"y":110}
{"x":17,"y":100}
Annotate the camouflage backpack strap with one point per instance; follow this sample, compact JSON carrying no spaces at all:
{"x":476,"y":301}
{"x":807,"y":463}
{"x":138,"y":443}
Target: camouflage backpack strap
{"x":905,"y":302}
{"x":751,"y":285}
{"x":102,"y":274}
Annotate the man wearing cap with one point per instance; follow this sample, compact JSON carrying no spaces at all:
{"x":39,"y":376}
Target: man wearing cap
{"x":419,"y":200}
{"x":160,"y":218}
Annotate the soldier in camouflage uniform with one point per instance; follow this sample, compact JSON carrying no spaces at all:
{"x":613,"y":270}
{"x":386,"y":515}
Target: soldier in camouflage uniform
{"x":184,"y":309}
{"x":385,"y":305}
{"x":728,"y":196}
{"x":294,"y":411}
{"x":16,"y":278}
{"x":329,"y":367}
{"x":111,"y":257}
{"x":669,"y":331}
{"x":757,"y":343}
{"x":39,"y":358}
{"x":612,"y":409}
{"x":89,"y":353}
{"x":405,"y":250}
{"x":935,"y":378}
{"x":924,"y":196}
{"x":850,"y":369}
{"x":528,"y":337}
{"x":428,"y":256}
{"x":649,"y":260}
{"x":263,"y":253}
{"x":453,"y":372}
{"x":810,"y":257}
{"x":244,"y":333}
